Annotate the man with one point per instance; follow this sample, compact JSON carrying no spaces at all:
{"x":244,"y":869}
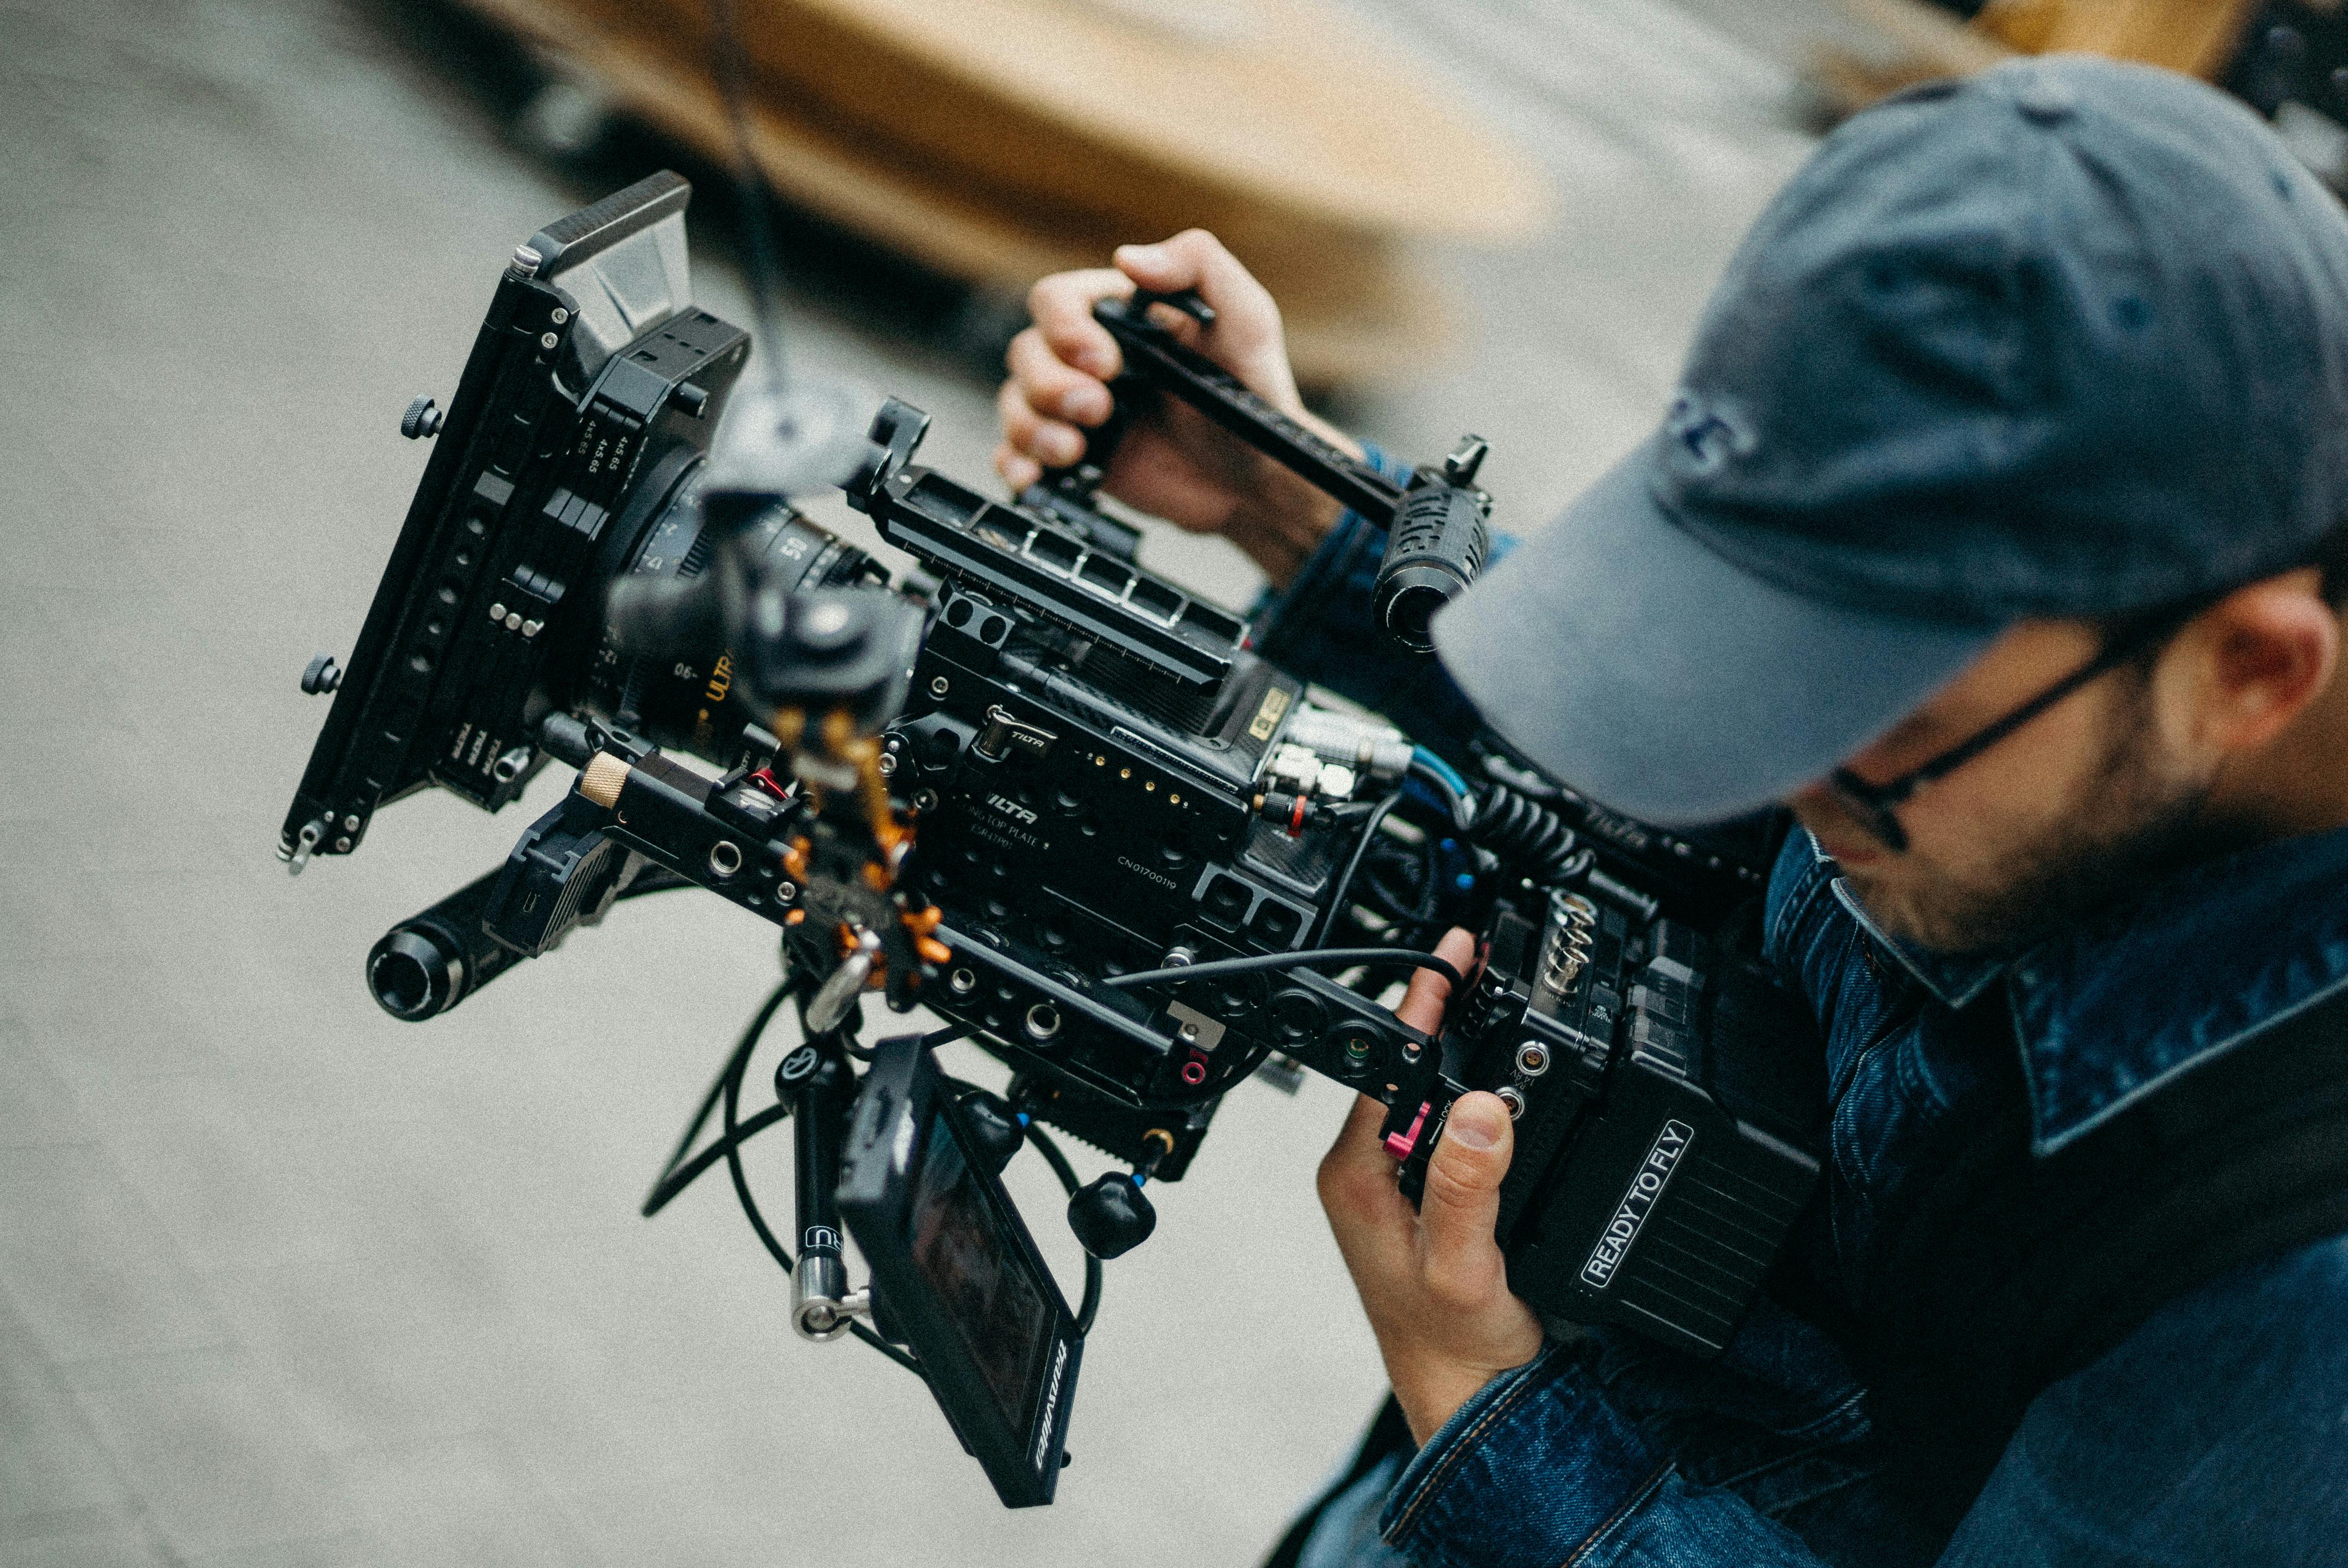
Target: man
{"x":1995,"y":529}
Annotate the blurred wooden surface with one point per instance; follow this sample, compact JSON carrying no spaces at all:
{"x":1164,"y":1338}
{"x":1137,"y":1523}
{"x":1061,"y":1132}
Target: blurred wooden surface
{"x":2198,"y":37}
{"x":999,"y":139}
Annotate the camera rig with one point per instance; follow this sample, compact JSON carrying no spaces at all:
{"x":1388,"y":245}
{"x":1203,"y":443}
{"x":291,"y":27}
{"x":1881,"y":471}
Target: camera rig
{"x":1056,"y":798}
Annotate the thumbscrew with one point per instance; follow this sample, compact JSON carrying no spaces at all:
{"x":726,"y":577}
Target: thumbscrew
{"x":422,"y":418}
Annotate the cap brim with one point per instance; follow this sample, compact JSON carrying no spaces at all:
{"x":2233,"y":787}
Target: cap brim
{"x":1630,"y":661}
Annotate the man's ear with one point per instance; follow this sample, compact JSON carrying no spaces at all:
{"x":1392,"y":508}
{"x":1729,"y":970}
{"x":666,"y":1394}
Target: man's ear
{"x":2254,"y":661}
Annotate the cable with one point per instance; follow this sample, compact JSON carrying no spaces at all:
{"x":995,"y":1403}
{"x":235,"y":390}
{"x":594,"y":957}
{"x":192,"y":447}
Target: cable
{"x":1448,"y":780}
{"x":1213,"y":967}
{"x":782,"y":1255}
{"x":1353,"y":864}
{"x":1527,"y":834}
{"x":679,"y":1172}
{"x":1050,"y":1149}
{"x":733,"y":1156}
{"x":685,"y":1176}
{"x":654,"y":879}
{"x":766,"y":270}
{"x":671,"y":1181}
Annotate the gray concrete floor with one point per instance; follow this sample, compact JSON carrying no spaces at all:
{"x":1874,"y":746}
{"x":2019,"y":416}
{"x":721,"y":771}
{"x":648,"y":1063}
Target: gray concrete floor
{"x":282,"y":1282}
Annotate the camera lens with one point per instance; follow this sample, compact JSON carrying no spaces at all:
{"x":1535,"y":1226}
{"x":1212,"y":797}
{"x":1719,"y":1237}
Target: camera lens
{"x":681,"y":697}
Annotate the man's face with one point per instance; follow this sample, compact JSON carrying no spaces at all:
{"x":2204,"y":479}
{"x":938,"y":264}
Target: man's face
{"x":2084,"y":801}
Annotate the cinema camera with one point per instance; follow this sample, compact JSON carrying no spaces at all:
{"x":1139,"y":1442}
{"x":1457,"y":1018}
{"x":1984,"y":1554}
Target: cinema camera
{"x":1049,"y":794}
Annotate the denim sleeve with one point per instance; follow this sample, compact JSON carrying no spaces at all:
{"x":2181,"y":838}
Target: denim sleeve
{"x":1539,"y":1467}
{"x":2216,"y":1434}
{"x":1321,"y":630}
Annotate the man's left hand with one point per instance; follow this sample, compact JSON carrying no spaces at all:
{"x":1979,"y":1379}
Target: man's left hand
{"x":1431,"y":1279}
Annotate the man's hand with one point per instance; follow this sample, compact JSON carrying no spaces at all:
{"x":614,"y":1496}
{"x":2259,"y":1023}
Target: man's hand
{"x":1173,"y":464}
{"x":1432,"y":1280}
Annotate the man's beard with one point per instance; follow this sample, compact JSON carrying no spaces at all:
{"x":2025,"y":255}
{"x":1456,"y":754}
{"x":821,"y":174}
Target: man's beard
{"x":2134,"y":819}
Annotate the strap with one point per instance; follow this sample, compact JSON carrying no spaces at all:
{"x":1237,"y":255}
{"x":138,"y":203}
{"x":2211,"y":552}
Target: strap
{"x":1995,"y":1274}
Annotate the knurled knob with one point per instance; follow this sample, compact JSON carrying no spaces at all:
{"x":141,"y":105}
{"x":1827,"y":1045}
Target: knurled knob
{"x":422,"y":418}
{"x":601,"y":780}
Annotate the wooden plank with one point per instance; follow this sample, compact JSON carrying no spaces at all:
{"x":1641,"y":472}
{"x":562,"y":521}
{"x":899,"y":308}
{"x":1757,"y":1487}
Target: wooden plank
{"x":1357,"y":312}
{"x":2196,"y":37}
{"x":1285,"y":104}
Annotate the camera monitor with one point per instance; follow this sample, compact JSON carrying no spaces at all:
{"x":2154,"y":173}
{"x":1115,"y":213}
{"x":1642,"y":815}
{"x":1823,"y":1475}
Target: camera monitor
{"x":956,"y":1278}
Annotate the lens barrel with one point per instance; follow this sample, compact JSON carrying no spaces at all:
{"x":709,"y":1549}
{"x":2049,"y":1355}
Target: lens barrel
{"x":680,"y":696}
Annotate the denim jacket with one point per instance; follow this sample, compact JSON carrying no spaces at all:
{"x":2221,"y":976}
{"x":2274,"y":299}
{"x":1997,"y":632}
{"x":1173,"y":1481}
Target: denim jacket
{"x":2217,"y":1434}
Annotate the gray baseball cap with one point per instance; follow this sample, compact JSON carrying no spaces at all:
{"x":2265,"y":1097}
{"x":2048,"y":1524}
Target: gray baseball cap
{"x":2065,"y":338}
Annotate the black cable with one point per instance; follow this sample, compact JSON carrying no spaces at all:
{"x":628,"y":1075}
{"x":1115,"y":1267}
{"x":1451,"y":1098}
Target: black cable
{"x":782,"y":1255}
{"x":1214,"y":968}
{"x":654,"y":879}
{"x":766,"y":270}
{"x":679,"y":1172}
{"x":685,"y":1175}
{"x":1435,"y":780}
{"x":733,"y":1155}
{"x":668,"y":1183}
{"x":1050,"y":1149}
{"x":1353,"y":864}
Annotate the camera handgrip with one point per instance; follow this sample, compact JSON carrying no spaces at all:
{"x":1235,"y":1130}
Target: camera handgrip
{"x":1439,"y":540}
{"x":432,"y":960}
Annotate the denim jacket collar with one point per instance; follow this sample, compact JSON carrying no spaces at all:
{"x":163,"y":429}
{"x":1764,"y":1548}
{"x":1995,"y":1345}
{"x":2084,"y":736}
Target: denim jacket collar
{"x":2136,"y":998}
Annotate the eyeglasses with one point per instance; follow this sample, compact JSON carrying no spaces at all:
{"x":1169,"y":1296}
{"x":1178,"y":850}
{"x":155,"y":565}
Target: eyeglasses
{"x":1875,"y":805}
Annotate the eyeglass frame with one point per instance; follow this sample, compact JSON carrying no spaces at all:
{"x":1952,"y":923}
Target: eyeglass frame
{"x":1874,"y":805}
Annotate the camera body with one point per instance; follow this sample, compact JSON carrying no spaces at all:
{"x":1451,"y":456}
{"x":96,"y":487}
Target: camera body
{"x":1100,"y":777}
{"x":1668,"y":1102}
{"x":1106,"y":781}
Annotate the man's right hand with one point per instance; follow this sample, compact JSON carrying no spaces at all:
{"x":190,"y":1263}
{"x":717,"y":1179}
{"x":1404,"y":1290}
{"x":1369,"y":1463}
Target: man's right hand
{"x":1172,"y":463}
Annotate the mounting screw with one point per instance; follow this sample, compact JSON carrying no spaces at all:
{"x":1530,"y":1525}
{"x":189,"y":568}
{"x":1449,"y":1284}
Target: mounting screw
{"x":527,"y":262}
{"x":558,"y":315}
{"x":886,"y":763}
{"x":938,"y":685}
{"x":422,"y":418}
{"x":322,"y":676}
{"x":546,"y":341}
